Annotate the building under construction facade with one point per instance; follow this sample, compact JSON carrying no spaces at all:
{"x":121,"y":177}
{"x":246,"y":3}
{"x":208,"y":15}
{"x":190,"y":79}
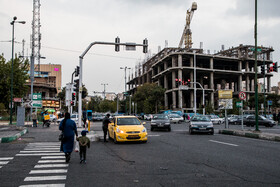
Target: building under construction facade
{"x":231,"y":69}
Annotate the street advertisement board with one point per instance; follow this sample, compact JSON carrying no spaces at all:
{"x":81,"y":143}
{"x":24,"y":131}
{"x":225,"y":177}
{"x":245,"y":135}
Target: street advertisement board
{"x":225,"y":94}
{"x":225,"y":104}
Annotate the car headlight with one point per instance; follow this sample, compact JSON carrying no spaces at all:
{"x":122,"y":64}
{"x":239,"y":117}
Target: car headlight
{"x":144,"y":130}
{"x":153,"y":123}
{"x":210,"y":125}
{"x":193,"y":125}
{"x":167,"y":123}
{"x":119,"y":131}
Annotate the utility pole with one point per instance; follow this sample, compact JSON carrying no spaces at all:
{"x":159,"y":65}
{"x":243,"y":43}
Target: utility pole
{"x":256,"y":72}
{"x":104,"y":89}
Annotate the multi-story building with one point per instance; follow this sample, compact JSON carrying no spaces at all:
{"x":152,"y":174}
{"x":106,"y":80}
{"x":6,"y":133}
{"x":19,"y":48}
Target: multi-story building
{"x":227,"y":69}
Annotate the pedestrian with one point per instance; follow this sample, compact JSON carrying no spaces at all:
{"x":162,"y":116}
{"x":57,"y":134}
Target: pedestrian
{"x":106,"y":122}
{"x":84,"y":142}
{"x":69,"y":129}
{"x":84,"y":118}
{"x":34,"y":119}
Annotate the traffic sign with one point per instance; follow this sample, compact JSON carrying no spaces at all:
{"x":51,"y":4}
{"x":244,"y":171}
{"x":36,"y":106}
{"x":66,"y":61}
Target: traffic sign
{"x":242,"y":95}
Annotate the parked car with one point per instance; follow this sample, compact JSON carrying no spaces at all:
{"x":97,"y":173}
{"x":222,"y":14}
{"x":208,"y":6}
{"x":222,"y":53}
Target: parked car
{"x":160,"y":121}
{"x":216,"y":119}
{"x":250,"y":121}
{"x":97,"y":117}
{"x":175,"y":118}
{"x":201,"y":123}
{"x":127,"y":128}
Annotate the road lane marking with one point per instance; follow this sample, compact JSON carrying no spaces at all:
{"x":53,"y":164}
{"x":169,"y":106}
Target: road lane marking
{"x":40,"y":154}
{"x":223,"y":143}
{"x":44,"y":185}
{"x":52,"y":157}
{"x":6,"y":158}
{"x":153,"y":135}
{"x":4,"y":162}
{"x":44,"y":178}
{"x":51,"y":165}
{"x":48,"y":171}
{"x":39,"y":151}
{"x":50,"y":161}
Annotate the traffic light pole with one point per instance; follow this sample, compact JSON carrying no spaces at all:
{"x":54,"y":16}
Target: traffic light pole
{"x":81,"y":57}
{"x":256,"y":72}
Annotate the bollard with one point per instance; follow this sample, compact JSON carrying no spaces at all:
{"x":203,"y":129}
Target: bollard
{"x":88,"y":125}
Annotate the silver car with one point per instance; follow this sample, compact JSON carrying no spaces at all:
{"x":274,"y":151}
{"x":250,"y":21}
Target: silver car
{"x":201,"y":123}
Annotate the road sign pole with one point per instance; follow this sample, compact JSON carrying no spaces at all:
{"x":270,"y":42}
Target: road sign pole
{"x":242,"y":115}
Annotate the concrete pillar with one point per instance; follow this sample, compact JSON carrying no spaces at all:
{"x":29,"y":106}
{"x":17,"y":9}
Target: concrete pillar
{"x":247,"y":66}
{"x":252,"y":85}
{"x":180,"y":61}
{"x":247,"y":83}
{"x":191,"y":99}
{"x":165,"y":82}
{"x":212,"y":99}
{"x":212,"y":80}
{"x":239,"y":65}
{"x":211,"y":63}
{"x":239,"y":83}
{"x":173,"y":79}
{"x":173,"y":61}
{"x":165,"y":65}
{"x":166,"y":100}
{"x":268,"y":84}
{"x":173,"y":99}
{"x":158,"y":69}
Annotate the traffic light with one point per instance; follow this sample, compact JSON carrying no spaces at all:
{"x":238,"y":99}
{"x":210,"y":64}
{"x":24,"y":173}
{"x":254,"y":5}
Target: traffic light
{"x":275,"y":68}
{"x":188,"y":82}
{"x":73,"y":96}
{"x":262,"y":69}
{"x":145,"y":45}
{"x":270,"y":69}
{"x":77,"y":71}
{"x":176,"y":82}
{"x":117,"y":46}
{"x":72,"y":103}
{"x":76,"y":85}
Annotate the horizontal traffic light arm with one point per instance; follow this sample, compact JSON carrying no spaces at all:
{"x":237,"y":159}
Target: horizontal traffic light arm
{"x":110,"y":43}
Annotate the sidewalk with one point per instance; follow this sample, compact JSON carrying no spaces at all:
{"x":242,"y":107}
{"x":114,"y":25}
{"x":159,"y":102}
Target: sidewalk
{"x":9,"y":133}
{"x":251,"y":134}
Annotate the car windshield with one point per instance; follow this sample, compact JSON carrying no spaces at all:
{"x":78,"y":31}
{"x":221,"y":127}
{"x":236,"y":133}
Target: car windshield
{"x":200,"y":118}
{"x":128,"y":121}
{"x":160,"y":117}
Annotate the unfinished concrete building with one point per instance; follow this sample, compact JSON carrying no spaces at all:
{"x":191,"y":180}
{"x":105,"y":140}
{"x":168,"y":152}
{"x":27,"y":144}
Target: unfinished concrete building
{"x":228,"y":69}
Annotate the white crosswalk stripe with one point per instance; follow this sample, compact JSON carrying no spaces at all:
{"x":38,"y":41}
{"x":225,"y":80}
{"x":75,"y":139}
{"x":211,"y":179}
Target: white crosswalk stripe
{"x":5,"y":160}
{"x":51,"y":167}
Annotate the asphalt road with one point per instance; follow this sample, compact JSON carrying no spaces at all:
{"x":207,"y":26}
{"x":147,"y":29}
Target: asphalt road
{"x":168,"y":159}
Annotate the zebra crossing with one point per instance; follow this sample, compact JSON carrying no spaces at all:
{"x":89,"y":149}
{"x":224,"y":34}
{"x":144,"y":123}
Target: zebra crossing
{"x":51,"y":170}
{"x":5,"y":160}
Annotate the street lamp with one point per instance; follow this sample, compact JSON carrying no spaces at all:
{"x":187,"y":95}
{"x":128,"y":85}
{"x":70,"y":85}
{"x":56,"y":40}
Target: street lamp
{"x":12,"y":73}
{"x":125,"y":84}
{"x":104,"y":88}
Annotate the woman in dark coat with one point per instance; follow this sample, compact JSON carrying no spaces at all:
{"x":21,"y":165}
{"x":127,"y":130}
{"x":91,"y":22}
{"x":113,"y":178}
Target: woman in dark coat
{"x":69,"y":129}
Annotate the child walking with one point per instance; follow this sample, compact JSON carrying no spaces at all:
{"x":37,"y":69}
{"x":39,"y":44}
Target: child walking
{"x":84,"y":142}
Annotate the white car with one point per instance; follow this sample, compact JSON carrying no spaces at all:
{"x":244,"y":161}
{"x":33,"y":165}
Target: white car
{"x":74,"y":117}
{"x":175,"y":118}
{"x":216,"y":119}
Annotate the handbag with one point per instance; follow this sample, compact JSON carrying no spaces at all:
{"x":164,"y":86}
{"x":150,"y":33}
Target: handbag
{"x":61,"y":136}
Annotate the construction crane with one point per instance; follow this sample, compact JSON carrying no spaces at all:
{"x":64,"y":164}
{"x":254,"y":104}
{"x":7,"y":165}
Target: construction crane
{"x":187,"y":34}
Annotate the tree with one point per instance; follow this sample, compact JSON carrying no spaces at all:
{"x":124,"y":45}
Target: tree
{"x":20,"y":75}
{"x":149,"y":98}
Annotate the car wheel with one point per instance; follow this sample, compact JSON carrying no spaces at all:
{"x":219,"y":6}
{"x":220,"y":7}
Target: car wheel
{"x":219,"y":122}
{"x":115,"y":139}
{"x":169,"y":129}
{"x":190,"y":131}
{"x":212,"y":133}
{"x":152,"y":129}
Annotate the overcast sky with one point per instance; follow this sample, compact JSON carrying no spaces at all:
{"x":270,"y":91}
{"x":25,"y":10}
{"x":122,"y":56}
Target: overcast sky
{"x":69,"y":26}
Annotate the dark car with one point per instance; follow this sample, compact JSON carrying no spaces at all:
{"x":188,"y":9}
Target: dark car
{"x":201,"y":123}
{"x":160,"y":121}
{"x":250,"y":121}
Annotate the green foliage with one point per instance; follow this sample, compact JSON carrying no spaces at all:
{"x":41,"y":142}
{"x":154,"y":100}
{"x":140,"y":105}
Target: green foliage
{"x":149,"y":98}
{"x":272,"y":97}
{"x":20,"y":75}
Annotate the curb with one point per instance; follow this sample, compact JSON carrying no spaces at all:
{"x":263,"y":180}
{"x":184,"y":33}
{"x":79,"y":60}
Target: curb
{"x":13,"y":138}
{"x":248,"y":134}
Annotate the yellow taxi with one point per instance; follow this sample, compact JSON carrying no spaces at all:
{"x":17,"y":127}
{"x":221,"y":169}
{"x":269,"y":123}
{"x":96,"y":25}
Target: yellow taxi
{"x":127,"y":128}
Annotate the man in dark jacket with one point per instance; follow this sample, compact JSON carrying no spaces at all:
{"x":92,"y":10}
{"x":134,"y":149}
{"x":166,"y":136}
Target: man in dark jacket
{"x":106,"y":122}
